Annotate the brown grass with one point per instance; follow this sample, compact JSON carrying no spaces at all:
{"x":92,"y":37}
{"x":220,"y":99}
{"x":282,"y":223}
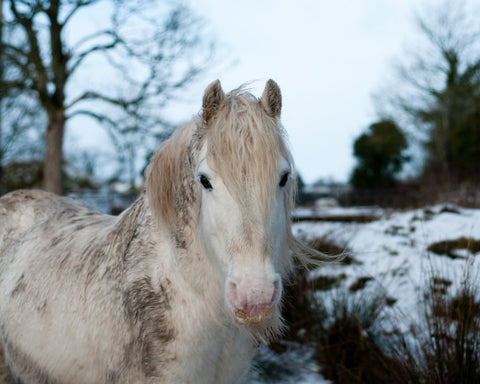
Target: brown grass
{"x":448,"y":247}
{"x":329,"y":247}
{"x":360,"y":283}
{"x":326,"y":282}
{"x":447,"y":348}
{"x":350,"y":347}
{"x":353,"y":346}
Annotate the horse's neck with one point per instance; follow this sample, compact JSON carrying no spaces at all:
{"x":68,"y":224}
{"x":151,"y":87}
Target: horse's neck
{"x":192,"y":279}
{"x":139,"y":229}
{"x":129,"y":226}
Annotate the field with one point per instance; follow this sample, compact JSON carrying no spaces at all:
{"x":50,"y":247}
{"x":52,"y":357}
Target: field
{"x":407,"y":283}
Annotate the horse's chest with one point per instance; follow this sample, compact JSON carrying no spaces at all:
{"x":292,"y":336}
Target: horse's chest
{"x":209,"y":351}
{"x":222,"y":358}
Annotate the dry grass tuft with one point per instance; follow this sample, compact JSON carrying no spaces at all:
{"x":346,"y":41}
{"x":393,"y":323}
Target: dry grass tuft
{"x":354,"y":346}
{"x":448,"y":247}
{"x":331,"y":248}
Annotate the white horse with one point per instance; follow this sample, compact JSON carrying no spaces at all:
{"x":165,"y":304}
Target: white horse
{"x":182,"y":285}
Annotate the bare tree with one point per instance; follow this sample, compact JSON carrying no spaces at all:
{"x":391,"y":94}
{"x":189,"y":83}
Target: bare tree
{"x":2,"y":187}
{"x":439,"y":83}
{"x":143,"y":54}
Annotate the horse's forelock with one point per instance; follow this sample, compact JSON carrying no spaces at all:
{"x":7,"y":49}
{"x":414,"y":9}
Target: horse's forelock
{"x":245,"y":144}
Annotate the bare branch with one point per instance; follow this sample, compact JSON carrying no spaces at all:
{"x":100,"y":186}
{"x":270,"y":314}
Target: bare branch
{"x":151,"y":49}
{"x":16,"y":50}
{"x":17,"y":85}
{"x":83,"y":55}
{"x":119,"y":102}
{"x":90,"y":37}
{"x":107,"y":123}
{"x":78,"y":5}
{"x":102,"y":118}
{"x":34,"y":53}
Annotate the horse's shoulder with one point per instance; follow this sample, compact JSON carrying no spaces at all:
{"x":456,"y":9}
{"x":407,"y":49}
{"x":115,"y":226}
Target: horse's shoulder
{"x":24,"y":200}
{"x":22,"y":209}
{"x":14,"y":199}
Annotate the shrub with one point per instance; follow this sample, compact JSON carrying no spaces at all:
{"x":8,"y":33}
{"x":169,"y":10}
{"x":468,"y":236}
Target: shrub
{"x":354,"y":346}
{"x":444,"y":347}
{"x":351,"y":341}
{"x":328,"y":247}
{"x":449,"y":343}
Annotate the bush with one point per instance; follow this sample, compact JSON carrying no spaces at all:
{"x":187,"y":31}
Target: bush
{"x":448,"y":346}
{"x":329,"y":247}
{"x":355,"y":346}
{"x":351,"y":341}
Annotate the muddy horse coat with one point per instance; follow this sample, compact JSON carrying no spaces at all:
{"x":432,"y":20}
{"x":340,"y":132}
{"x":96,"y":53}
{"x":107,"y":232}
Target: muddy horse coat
{"x":182,"y":285}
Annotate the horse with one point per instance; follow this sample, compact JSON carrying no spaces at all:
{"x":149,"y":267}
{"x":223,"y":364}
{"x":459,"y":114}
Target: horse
{"x":179,"y":288}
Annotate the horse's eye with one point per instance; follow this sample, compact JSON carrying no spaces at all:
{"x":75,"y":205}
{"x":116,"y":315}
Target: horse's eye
{"x":205,"y":182}
{"x":284,"y":179}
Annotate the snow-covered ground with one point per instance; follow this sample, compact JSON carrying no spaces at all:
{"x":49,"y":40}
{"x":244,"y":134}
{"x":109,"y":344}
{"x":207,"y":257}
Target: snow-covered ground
{"x":392,"y":252}
{"x":296,"y":366}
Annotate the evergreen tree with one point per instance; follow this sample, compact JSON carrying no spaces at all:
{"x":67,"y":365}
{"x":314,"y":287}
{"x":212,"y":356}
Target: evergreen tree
{"x":379,"y":155}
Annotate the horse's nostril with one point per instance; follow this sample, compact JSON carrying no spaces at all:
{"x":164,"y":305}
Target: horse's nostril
{"x":232,"y":293}
{"x":277,"y":283}
{"x":231,"y":287}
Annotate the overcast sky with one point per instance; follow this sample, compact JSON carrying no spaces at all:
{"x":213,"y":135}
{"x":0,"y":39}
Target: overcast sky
{"x":328,"y":58}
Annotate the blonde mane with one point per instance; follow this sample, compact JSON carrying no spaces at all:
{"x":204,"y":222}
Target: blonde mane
{"x":244,"y":143}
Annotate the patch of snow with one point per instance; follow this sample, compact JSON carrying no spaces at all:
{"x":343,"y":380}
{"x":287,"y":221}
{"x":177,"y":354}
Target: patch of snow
{"x":393,"y":250}
{"x":295,"y":366}
{"x":324,"y":211}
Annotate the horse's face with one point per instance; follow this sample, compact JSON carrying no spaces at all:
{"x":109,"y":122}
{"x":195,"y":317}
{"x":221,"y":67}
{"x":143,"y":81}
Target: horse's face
{"x":249,"y":250}
{"x":226,"y":182}
{"x":244,"y":228}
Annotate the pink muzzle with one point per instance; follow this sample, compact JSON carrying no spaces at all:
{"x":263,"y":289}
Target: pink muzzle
{"x":252,"y":299}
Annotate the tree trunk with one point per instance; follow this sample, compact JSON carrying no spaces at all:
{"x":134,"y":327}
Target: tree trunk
{"x":52,"y":177}
{"x":2,"y":185}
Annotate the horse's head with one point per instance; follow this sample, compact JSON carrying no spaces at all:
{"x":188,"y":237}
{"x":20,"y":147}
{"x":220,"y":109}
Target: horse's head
{"x":234,"y":196}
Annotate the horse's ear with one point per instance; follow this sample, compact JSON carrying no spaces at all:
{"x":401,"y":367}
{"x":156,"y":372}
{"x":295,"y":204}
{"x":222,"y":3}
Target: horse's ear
{"x":213,"y":99}
{"x":272,"y":99}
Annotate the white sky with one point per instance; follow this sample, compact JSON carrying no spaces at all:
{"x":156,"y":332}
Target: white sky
{"x":328,"y":58}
